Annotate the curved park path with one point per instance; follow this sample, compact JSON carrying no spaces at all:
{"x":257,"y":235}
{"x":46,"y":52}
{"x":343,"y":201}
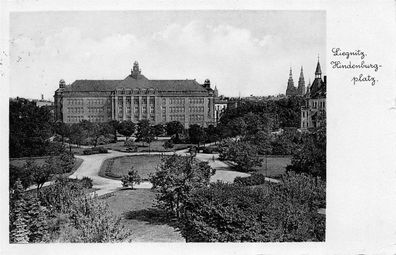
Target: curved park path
{"x":92,"y":163}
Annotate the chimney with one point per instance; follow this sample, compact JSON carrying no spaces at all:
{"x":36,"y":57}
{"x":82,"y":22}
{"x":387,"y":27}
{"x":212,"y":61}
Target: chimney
{"x":42,"y":97}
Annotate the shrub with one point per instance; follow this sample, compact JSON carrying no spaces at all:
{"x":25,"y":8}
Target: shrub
{"x":86,"y":182}
{"x":104,"y":140}
{"x":54,"y":148}
{"x":95,"y":150}
{"x":254,"y":179}
{"x":90,"y":220}
{"x":131,"y":178}
{"x":242,"y":153}
{"x":176,"y":177}
{"x":169,"y":144}
{"x":210,"y":149}
{"x":130,"y":146}
{"x":88,"y":152}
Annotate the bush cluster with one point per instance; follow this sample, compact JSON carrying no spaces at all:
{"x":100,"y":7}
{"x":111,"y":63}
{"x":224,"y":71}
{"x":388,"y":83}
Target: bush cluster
{"x":210,"y":149}
{"x":95,"y":150}
{"x":254,"y":179}
{"x":62,"y":212}
{"x":169,"y":144}
{"x":284,"y":212}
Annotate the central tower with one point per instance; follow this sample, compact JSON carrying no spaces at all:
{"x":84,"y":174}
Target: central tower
{"x":135,"y":70}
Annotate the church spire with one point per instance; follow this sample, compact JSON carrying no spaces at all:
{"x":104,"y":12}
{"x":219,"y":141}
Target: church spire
{"x":301,"y":83}
{"x":318,"y":72}
{"x":291,"y":90}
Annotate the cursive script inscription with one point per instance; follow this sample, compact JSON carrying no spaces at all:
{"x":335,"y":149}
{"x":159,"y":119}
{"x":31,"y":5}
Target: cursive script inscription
{"x":355,"y":59}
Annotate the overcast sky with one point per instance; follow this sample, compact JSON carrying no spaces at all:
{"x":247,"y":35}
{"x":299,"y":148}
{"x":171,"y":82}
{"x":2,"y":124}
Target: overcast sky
{"x":246,"y":52}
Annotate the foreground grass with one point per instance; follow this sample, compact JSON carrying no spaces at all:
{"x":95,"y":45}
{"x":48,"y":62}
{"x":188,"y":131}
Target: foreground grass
{"x":138,"y":212}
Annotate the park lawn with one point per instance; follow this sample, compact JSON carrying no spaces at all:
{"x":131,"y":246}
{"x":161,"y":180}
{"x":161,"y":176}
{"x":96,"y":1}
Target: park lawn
{"x":144,"y":164}
{"x":138,"y":213}
{"x":276,"y":166}
{"x":41,"y":161}
{"x":157,"y":146}
{"x":22,"y":162}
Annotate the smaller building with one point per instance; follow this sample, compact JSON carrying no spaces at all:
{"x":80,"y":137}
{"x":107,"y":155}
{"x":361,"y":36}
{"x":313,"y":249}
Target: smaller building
{"x":220,"y":106}
{"x":313,"y":110}
{"x":42,"y":102}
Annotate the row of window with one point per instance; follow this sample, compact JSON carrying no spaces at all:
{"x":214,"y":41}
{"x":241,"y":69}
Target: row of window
{"x":180,"y":118}
{"x":196,"y":117}
{"x":96,"y":101}
{"x":75,"y":109}
{"x":74,"y":101}
{"x":95,"y":109}
{"x":74,"y":118}
{"x":196,"y":108}
{"x":176,"y":109}
{"x":177,"y":100}
{"x":136,"y":100}
{"x":96,"y":118}
{"x":135,"y":91}
{"x":196,"y":100}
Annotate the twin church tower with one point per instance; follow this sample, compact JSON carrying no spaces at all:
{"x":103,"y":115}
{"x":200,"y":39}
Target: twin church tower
{"x":301,"y":89}
{"x":293,"y":91}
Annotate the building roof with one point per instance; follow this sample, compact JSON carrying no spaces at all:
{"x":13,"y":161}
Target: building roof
{"x":318,"y":88}
{"x":318,"y":68}
{"x":140,"y":82}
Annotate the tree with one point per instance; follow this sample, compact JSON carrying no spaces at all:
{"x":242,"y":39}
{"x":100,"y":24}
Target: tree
{"x":91,"y":221}
{"x":77,"y":134}
{"x":41,"y":174}
{"x":65,"y":163}
{"x":131,"y":178}
{"x":145,"y":132}
{"x":242,"y":153}
{"x":30,"y":128}
{"x":19,"y":173}
{"x":158,"y":129}
{"x":19,"y":231}
{"x":96,"y":130}
{"x":174,"y":128}
{"x":237,"y":126}
{"x":212,"y":133}
{"x":62,"y":129}
{"x":262,"y":141}
{"x":113,"y":124}
{"x":126,"y":128}
{"x":197,"y":134}
{"x":38,"y":226}
{"x":310,"y":155}
{"x":176,"y":177}
{"x":283,"y":212}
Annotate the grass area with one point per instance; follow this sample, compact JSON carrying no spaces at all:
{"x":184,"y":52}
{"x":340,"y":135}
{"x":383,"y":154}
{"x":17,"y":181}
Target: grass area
{"x":276,"y":166}
{"x":147,"y":223}
{"x":119,"y":166}
{"x":41,"y":161}
{"x":22,"y":162}
{"x":144,"y":147}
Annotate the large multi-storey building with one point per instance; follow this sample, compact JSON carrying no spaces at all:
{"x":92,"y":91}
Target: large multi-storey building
{"x":136,"y":98}
{"x":313,"y":110}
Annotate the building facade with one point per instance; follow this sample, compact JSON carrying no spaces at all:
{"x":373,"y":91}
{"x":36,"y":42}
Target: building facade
{"x":313,"y":110}
{"x":135,"y":98}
